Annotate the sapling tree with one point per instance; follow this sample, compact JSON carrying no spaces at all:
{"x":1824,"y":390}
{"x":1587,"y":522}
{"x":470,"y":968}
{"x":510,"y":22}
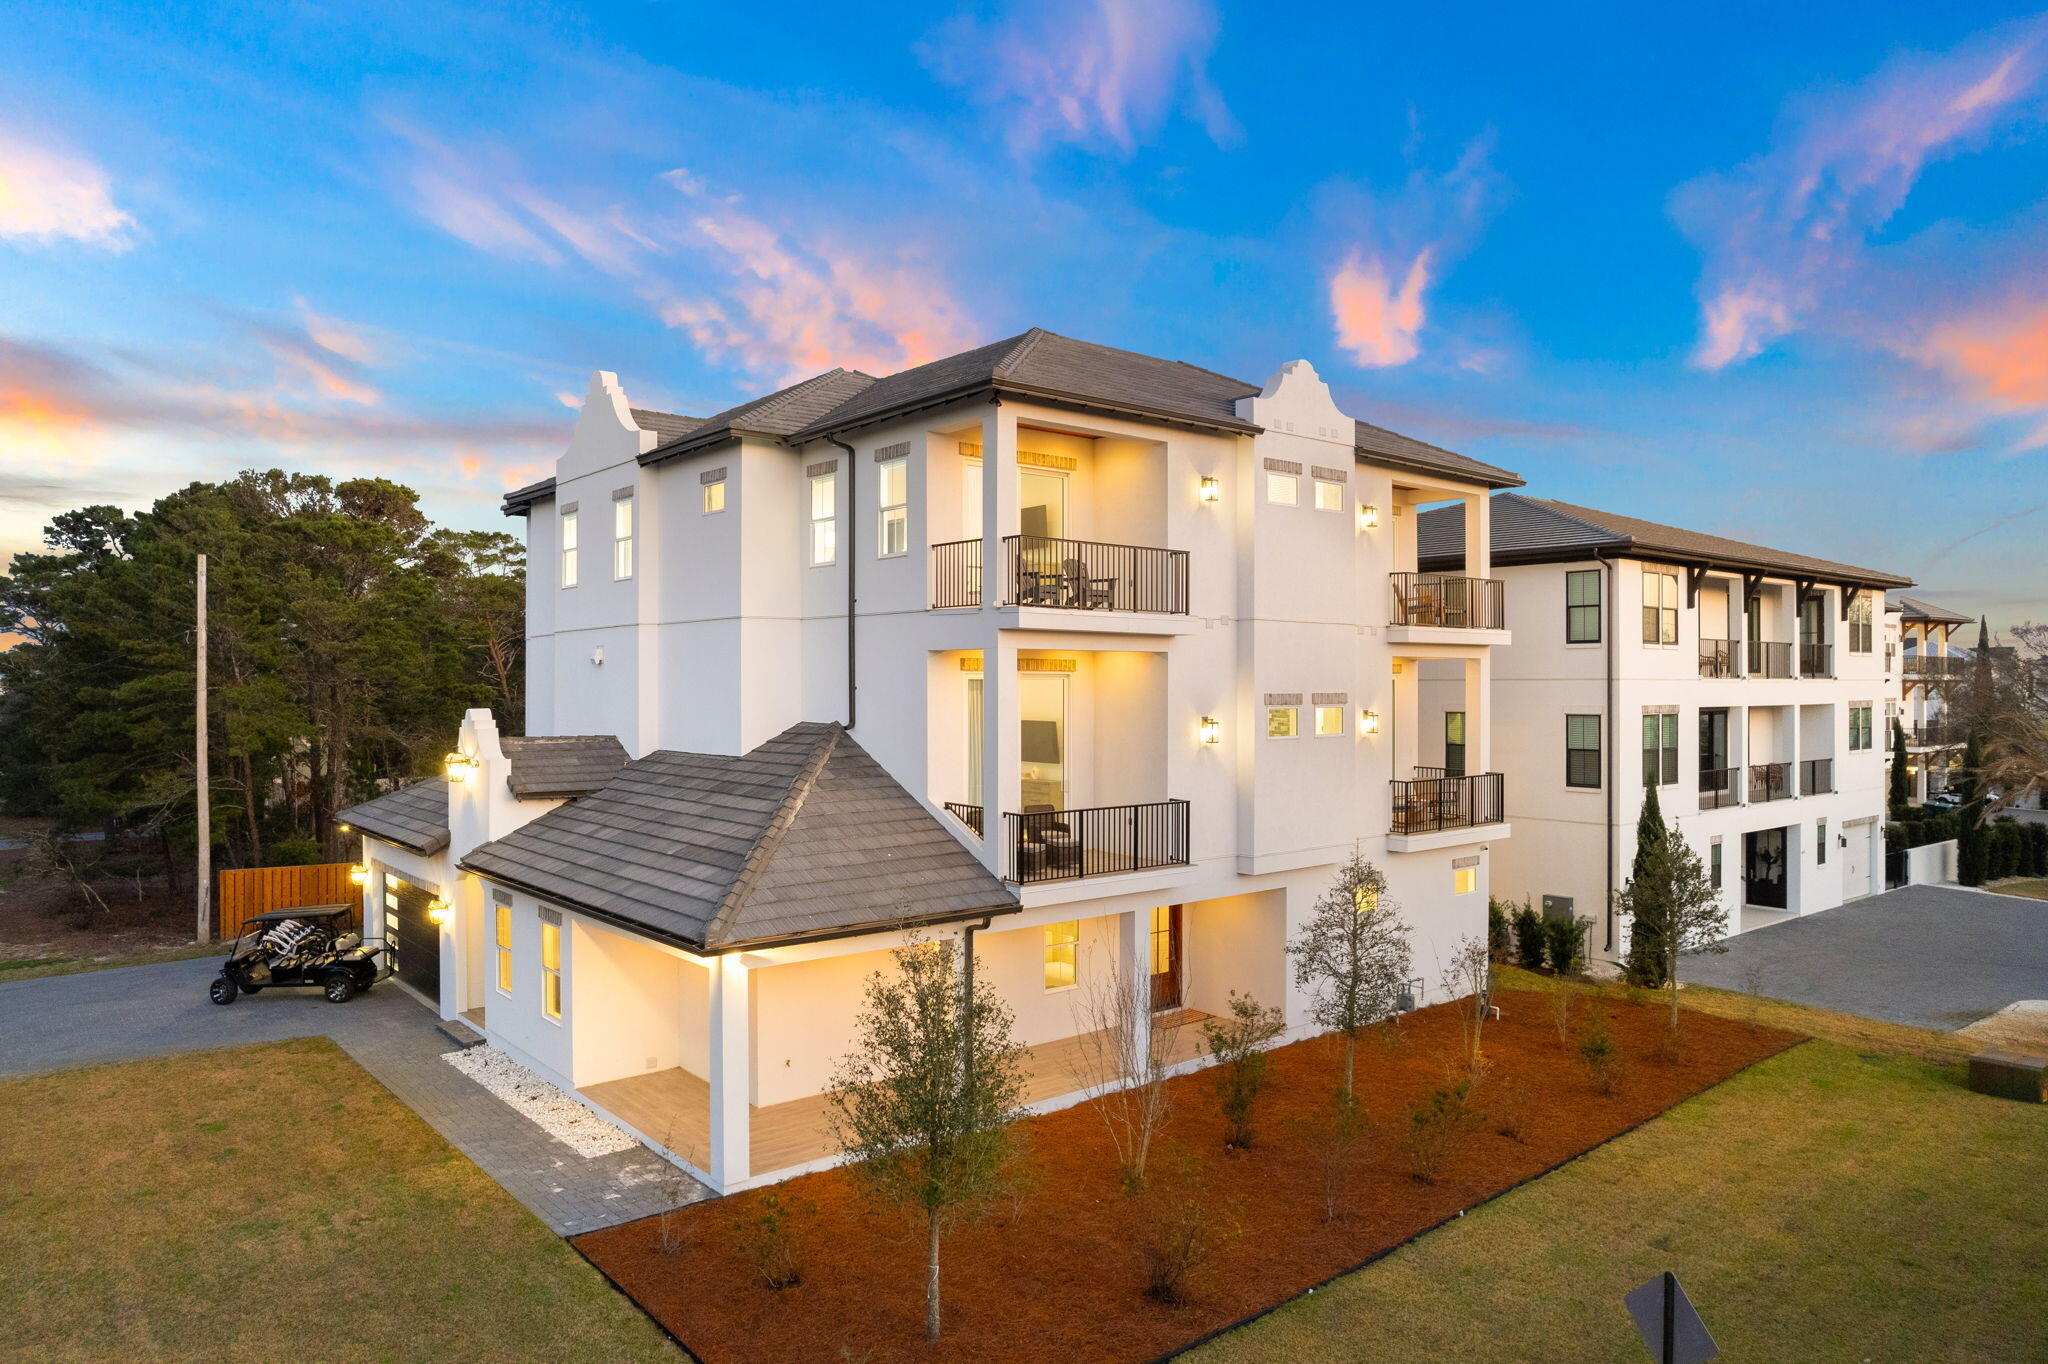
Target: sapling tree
{"x":1673,"y":895}
{"x":1352,"y":956}
{"x":1470,"y":976}
{"x":1238,"y":1042}
{"x":924,"y":1102}
{"x":1127,"y":1056}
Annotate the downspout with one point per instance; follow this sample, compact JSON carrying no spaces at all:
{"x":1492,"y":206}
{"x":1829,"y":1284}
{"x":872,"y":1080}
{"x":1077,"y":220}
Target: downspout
{"x":1612,"y":756}
{"x":852,"y":557}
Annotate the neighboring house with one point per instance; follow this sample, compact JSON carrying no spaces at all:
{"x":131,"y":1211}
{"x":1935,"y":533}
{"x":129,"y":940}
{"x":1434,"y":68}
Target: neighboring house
{"x":1746,"y":684}
{"x":1928,"y":667}
{"x":1104,"y":660}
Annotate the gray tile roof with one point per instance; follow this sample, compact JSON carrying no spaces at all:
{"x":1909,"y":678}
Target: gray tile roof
{"x":413,"y":817}
{"x":561,"y":766}
{"x":1377,"y":445}
{"x":667,"y":425}
{"x":778,"y":414}
{"x":806,"y":836}
{"x":1539,"y":530}
{"x":1912,"y":608}
{"x":520,"y":500}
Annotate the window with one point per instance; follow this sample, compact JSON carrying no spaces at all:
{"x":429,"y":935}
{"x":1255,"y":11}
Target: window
{"x":1859,"y":623}
{"x":1660,"y":749}
{"x":1329,"y":719}
{"x":714,"y":497}
{"x":1283,"y":489}
{"x":504,"y":949}
{"x":1329,"y":496}
{"x":1454,"y":743}
{"x":622,"y":537}
{"x":892,"y":502}
{"x":1582,"y":750}
{"x":1464,"y":880}
{"x":1060,"y":942}
{"x":1859,"y":728}
{"x":568,"y":549}
{"x":824,"y":518}
{"x":551,"y":969}
{"x":1714,"y":862}
{"x":1820,"y":842}
{"x":1582,"y":606}
{"x":1364,"y":898}
{"x":1660,"y":606}
{"x":1162,"y":939}
{"x":1283,"y":722}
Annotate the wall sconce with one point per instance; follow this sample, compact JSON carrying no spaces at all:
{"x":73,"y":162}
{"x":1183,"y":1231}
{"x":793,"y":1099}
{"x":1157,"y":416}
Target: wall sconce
{"x":1368,"y":722}
{"x":458,"y":765}
{"x":1212,"y":729}
{"x":341,"y":828}
{"x":1368,"y":516}
{"x":1212,"y":490}
{"x":359,"y":874}
{"x":437,"y":911}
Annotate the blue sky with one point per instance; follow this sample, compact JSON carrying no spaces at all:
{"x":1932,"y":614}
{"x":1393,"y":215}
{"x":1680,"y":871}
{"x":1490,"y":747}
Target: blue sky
{"x":1774,"y":272}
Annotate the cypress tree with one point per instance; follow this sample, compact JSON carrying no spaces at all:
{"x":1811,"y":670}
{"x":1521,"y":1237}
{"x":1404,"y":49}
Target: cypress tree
{"x":1646,"y":957}
{"x":1970,"y":832}
{"x":1902,"y":781}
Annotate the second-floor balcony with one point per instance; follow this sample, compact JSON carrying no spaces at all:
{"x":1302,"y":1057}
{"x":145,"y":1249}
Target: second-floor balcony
{"x":1720,"y":786}
{"x":1816,"y":776}
{"x":1769,"y":781}
{"x":1769,"y":658}
{"x":1717,"y":658}
{"x":1059,"y":845}
{"x":1074,"y":575}
{"x":1816,"y":659}
{"x":1932,"y":665}
{"x":1942,"y":733}
{"x":1448,"y":602}
{"x":1434,"y":803}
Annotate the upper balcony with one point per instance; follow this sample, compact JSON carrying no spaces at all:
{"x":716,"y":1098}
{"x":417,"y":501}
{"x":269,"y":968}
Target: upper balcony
{"x":1432,"y":606}
{"x":1932,"y":665}
{"x":1067,"y":575}
{"x":1434,"y":802}
{"x":1769,"y":658}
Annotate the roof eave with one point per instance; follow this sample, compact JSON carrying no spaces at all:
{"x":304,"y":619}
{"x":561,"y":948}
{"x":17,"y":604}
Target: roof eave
{"x":1011,"y":389}
{"x":422,"y":850}
{"x":1868,"y":578}
{"x":1513,"y":480}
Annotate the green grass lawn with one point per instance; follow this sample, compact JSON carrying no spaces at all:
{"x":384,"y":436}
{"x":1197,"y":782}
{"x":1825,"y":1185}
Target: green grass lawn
{"x":30,"y":968}
{"x":1848,"y":1200}
{"x":2034,"y":889}
{"x":271,"y":1202}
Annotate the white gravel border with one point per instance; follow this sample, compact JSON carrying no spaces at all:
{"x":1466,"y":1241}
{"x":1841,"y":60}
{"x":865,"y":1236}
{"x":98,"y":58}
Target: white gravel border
{"x":554,"y":1112}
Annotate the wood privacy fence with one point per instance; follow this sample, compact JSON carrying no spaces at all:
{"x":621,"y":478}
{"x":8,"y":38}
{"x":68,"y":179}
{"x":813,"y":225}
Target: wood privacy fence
{"x":256,"y":889}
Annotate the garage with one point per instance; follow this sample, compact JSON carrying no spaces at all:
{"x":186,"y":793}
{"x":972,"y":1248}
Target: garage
{"x":412,"y":939}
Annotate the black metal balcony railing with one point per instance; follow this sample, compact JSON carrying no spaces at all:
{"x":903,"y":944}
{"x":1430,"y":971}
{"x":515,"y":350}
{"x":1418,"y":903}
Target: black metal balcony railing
{"x":1935,"y":734}
{"x":1768,"y":658}
{"x":1430,"y":804}
{"x":1717,"y":657}
{"x":1816,"y":660}
{"x":970,"y":815}
{"x":1932,"y":665}
{"x":1816,"y":776}
{"x":1451,"y":603}
{"x":956,"y":573}
{"x":1083,"y":575}
{"x":1769,"y":781}
{"x":1720,"y":786}
{"x":1058,"y":845}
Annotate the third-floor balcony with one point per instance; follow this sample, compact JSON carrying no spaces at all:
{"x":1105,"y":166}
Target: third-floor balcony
{"x":1072,"y":575}
{"x":1717,"y":658}
{"x":1444,"y":601}
{"x":1816,"y":659}
{"x":1932,"y":665}
{"x":1769,"y":781}
{"x":1769,"y":658}
{"x":1434,"y":803}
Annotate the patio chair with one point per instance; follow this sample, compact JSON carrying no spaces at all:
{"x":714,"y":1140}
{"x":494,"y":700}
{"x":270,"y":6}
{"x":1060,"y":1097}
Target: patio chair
{"x":1061,"y":848}
{"x":1090,"y":594}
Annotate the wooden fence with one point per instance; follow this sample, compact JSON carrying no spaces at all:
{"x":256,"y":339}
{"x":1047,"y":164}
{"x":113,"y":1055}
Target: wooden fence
{"x":257,"y":889}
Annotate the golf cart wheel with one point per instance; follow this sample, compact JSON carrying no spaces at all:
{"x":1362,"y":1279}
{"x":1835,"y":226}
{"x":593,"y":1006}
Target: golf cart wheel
{"x":222,"y":990}
{"x":341,"y":988}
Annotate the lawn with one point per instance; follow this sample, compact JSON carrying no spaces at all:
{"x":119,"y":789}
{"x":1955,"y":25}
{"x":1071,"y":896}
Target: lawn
{"x":269,"y":1201}
{"x":2034,"y":888}
{"x":33,"y":967}
{"x":1846,"y":1200}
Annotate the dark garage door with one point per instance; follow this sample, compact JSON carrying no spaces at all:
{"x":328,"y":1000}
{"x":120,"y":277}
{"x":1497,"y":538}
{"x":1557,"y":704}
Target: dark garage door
{"x":411,"y":937}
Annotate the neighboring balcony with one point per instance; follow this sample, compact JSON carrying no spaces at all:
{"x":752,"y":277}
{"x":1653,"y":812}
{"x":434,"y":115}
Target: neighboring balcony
{"x":1067,"y":575}
{"x":1816,"y":776}
{"x":1932,"y":665}
{"x":1936,"y":734}
{"x":1062,"y":845}
{"x":1769,"y":781}
{"x":1718,"y":658}
{"x":1425,"y":604}
{"x":1816,"y":660}
{"x":1434,"y":803}
{"x":1720,"y":787}
{"x":1768,"y":658}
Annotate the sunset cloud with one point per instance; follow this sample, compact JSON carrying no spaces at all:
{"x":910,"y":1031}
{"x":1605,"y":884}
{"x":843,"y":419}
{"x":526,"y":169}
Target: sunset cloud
{"x":1782,"y":232}
{"x":47,"y":194}
{"x":1377,"y":321}
{"x":1103,"y":74}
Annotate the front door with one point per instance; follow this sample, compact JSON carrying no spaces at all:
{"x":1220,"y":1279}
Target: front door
{"x":1166,"y":957}
{"x":1714,"y":773}
{"x":1454,"y":743}
{"x":411,"y":938}
{"x":1856,"y":862}
{"x":1763,"y":868}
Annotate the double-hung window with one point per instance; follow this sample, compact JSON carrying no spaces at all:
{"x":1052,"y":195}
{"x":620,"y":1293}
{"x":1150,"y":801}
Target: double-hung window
{"x":504,"y":949}
{"x":1582,"y":750}
{"x":550,"y":969}
{"x":569,"y":540}
{"x":1660,"y":748}
{"x":622,"y":536}
{"x":1061,"y":940}
{"x":824,"y":518}
{"x":1859,"y":624}
{"x":892,"y":508}
{"x":1582,"y":606}
{"x":1859,"y":728}
{"x":1660,"y":606}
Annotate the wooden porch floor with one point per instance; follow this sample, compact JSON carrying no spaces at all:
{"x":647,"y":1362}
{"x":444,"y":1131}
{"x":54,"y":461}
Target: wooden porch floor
{"x":674,"y":1107}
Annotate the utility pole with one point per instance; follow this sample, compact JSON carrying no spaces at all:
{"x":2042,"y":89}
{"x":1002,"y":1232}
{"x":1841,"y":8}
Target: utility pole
{"x":203,"y":875}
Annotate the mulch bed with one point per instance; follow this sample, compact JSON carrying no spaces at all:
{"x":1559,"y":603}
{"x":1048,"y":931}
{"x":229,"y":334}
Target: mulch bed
{"x":1058,"y":1274}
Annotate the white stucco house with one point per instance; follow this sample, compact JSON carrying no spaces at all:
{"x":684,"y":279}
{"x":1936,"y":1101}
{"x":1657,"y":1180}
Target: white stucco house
{"x":1748,"y":685}
{"x":1928,"y":667}
{"x":1103,"y":658}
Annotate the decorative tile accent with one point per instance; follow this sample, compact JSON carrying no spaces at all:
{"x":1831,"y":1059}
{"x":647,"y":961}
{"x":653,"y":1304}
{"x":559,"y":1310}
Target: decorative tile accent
{"x":500,"y":897}
{"x":1660,"y":710}
{"x":551,"y":916}
{"x":1283,"y":698}
{"x":621,"y":494}
{"x":900,"y":450}
{"x":1331,"y":475}
{"x":568,"y":508}
{"x":712,"y":476}
{"x":1284,"y":466}
{"x":823,"y":466}
{"x":1459,"y":862}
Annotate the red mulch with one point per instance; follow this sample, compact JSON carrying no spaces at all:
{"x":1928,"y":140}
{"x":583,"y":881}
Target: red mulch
{"x":1058,"y":1276}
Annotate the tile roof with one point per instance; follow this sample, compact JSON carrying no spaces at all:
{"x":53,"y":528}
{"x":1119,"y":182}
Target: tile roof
{"x":414,"y":817}
{"x":1912,"y":608}
{"x":664,"y":424}
{"x":1376,"y":444}
{"x":806,"y":836}
{"x":1538,"y":530}
{"x":520,"y":500}
{"x":778,"y":414}
{"x":561,"y":766}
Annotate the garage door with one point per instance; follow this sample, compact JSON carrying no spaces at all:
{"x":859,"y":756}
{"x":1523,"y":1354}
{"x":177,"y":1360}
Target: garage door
{"x":412,"y":939}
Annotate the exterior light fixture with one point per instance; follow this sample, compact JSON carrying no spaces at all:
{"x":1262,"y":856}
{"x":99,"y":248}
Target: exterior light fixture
{"x":1212,"y":490}
{"x":359,"y":874}
{"x":1368,"y":516}
{"x":437,"y":911}
{"x":341,"y":828}
{"x":458,"y":765}
{"x":1368,"y":722}
{"x":1212,"y":729}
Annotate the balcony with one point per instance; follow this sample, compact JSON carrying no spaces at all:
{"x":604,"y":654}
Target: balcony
{"x":1717,"y":658}
{"x":1071,"y":575}
{"x":1439,"y":601}
{"x":1432,"y":804}
{"x":1816,"y":660}
{"x":970,"y":815}
{"x":1933,"y":665}
{"x":1769,"y":781}
{"x":1816,"y":776}
{"x":1936,"y":734}
{"x":1719,"y":787}
{"x":1061,"y":845}
{"x":1768,"y":658}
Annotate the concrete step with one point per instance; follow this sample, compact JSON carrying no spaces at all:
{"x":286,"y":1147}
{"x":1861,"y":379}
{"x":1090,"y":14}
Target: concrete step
{"x":460,"y":1033}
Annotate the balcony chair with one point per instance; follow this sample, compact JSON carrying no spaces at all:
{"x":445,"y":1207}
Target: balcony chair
{"x":1058,"y":848}
{"x":1090,"y":594}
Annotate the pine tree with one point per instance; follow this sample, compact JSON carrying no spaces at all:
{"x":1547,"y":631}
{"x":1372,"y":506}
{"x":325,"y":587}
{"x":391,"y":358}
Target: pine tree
{"x":1902,"y":780}
{"x":1646,"y":955}
{"x":1970,"y":833}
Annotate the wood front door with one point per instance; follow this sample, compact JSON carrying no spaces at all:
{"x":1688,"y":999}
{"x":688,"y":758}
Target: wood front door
{"x":1166,"y":957}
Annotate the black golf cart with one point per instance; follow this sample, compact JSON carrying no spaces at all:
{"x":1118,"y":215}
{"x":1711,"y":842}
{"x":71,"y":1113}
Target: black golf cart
{"x":311,"y":945}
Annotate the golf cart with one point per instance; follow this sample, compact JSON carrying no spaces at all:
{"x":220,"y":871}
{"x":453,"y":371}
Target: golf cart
{"x":311,"y":945}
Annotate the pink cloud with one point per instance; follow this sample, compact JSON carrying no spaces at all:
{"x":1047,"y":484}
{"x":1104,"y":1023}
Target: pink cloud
{"x":1377,"y":322}
{"x":1780,"y":234}
{"x":47,"y":194}
{"x":1095,"y":73}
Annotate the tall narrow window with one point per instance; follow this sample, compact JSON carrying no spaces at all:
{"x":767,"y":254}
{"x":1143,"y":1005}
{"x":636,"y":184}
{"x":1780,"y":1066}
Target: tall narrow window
{"x":892,"y":508}
{"x":569,"y":549}
{"x":1714,"y":862}
{"x":1660,"y":749}
{"x":1582,"y":606}
{"x":1820,"y":842}
{"x":1454,"y":743}
{"x":1859,"y":728}
{"x":622,"y":537}
{"x":1060,"y":943}
{"x":1660,"y":606}
{"x":824,"y":518}
{"x":1582,"y":750}
{"x":550,"y":969}
{"x":504,"y":940}
{"x":1859,"y":623}
{"x":974,"y":723}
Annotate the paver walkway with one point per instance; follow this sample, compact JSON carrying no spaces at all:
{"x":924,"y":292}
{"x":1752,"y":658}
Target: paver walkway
{"x":96,"y":1017}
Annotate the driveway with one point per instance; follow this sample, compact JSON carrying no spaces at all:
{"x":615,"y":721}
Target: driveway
{"x":118,"y":1015}
{"x":1928,"y":956}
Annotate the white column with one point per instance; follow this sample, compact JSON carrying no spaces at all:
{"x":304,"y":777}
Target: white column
{"x":998,"y":499}
{"x":1134,"y":972}
{"x":1478,"y":536}
{"x":731,"y":1072}
{"x":1405,"y":723}
{"x":1478,"y":714}
{"x":1000,"y":746}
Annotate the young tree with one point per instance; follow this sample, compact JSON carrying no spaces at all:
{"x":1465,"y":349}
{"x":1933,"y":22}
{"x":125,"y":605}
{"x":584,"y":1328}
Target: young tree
{"x":1645,"y":963}
{"x":924,"y":1102}
{"x":1470,"y":974}
{"x":1673,"y":894}
{"x":1126,"y":1056}
{"x":1352,"y":956}
{"x":1901,"y":778}
{"x":1238,"y":1042}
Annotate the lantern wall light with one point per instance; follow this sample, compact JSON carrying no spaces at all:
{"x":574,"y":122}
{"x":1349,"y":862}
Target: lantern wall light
{"x":1212,"y":729}
{"x":1369,"y":722}
{"x":359,"y":874}
{"x":437,"y":911}
{"x":459,"y":765}
{"x":1212,"y":490}
{"x":1368,"y":516}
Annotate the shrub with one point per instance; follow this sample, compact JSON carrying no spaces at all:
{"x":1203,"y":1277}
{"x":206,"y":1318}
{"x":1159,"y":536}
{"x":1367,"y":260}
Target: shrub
{"x":1565,"y":940}
{"x":1238,"y":1044}
{"x":1182,"y":1228}
{"x":1433,"y":1126}
{"x":1509,"y":1110}
{"x":1602,"y":1057}
{"x":2008,"y":848}
{"x":298,"y":850}
{"x":2037,"y":849}
{"x":1561,"y":1016}
{"x":1336,"y":1142}
{"x":1531,"y":946}
{"x":1500,"y":936}
{"x":769,"y":1241}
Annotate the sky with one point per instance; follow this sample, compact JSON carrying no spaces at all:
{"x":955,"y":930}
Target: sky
{"x":1774,"y":272}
